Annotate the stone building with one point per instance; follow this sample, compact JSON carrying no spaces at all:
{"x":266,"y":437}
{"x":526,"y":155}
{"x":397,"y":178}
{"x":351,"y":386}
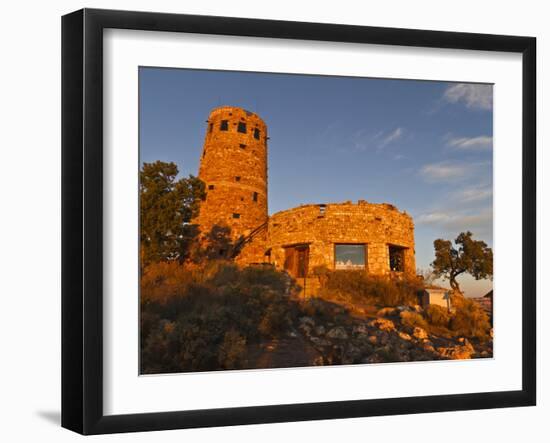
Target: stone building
{"x":375,"y":237}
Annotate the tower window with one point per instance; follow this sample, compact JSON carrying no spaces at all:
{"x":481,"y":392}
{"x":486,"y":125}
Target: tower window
{"x":255,"y":196}
{"x":210,"y":127}
{"x":397,"y":258}
{"x":241,"y":127}
{"x":235,"y":215}
{"x":224,"y":125}
{"x":210,"y":187}
{"x":242,"y":145}
{"x":237,"y":178}
{"x":256,"y":133}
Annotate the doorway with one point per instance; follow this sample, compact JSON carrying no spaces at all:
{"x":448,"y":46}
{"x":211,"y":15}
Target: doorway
{"x":297,"y":260}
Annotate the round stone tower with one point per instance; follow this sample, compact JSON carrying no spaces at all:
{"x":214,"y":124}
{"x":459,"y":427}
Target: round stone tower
{"x":234,"y":169}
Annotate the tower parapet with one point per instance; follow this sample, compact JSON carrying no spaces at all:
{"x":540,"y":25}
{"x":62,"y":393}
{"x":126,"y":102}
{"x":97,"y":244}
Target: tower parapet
{"x":233,"y":167}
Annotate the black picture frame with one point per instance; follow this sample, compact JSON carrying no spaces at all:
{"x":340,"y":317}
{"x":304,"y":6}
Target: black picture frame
{"x":82,"y":215}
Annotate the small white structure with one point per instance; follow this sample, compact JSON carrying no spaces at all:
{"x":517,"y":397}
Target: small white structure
{"x":435,"y":296}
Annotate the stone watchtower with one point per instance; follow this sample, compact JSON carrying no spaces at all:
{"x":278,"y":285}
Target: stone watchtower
{"x":233,"y":167}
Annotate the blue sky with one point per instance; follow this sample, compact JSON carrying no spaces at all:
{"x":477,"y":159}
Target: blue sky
{"x":426,"y":147}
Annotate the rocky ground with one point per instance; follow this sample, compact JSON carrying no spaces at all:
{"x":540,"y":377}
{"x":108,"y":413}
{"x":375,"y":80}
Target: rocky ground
{"x":340,"y":338}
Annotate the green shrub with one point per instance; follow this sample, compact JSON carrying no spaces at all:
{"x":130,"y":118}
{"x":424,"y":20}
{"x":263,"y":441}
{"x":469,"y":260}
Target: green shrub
{"x":437,"y":316}
{"x":469,"y":319}
{"x":162,"y":281}
{"x":232,"y":352}
{"x":207,"y":320}
{"x":413,"y":319}
{"x":358,"y":287}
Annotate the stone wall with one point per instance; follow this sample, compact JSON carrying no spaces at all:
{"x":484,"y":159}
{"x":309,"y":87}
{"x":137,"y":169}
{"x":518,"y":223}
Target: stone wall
{"x":378,"y":226}
{"x":234,"y":168}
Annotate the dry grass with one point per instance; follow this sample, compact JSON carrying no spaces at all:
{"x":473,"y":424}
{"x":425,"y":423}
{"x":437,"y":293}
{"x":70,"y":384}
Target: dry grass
{"x":359,"y":288}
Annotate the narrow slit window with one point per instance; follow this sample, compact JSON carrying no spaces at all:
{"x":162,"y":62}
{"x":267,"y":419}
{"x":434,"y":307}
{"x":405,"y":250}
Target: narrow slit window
{"x":255,"y":196}
{"x":210,"y":187}
{"x":242,"y":146}
{"x":235,"y":215}
{"x":256,"y":133}
{"x":241,"y":127}
{"x":210,"y":127}
{"x":224,"y":125}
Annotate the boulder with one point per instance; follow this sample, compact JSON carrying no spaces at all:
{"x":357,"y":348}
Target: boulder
{"x":419,"y":333}
{"x":337,"y":333}
{"x":404,"y":336}
{"x":307,"y":321}
{"x":362,"y":337}
{"x":383,"y":338}
{"x":305,"y":328}
{"x":458,"y":352}
{"x":318,"y":361}
{"x":428,"y":347}
{"x":360,"y":329}
{"x":352,"y":354}
{"x":320,"y":330}
{"x":374,"y":358}
{"x":292,"y":334}
{"x":382,"y":323}
{"x":320,"y":342}
{"x":385,"y":312}
{"x":403,"y":308}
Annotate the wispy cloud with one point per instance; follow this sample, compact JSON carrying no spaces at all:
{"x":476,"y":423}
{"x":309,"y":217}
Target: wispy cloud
{"x":474,"y":194}
{"x":482,"y":142}
{"x":444,"y":171}
{"x":396,"y":134}
{"x":480,"y":221}
{"x":474,"y":96}
{"x":363,"y":141}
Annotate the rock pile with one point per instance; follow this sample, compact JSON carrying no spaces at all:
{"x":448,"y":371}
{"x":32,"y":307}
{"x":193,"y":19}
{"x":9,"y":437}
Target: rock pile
{"x":380,"y":340}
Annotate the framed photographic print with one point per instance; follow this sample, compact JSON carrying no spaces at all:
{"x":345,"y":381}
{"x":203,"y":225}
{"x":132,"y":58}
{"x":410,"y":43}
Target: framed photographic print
{"x":269,"y":221}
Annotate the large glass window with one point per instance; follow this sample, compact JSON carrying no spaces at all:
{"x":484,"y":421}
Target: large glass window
{"x":350,"y":256}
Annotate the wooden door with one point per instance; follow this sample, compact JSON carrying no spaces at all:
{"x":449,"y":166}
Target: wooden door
{"x":297,"y":260}
{"x":290,"y":260}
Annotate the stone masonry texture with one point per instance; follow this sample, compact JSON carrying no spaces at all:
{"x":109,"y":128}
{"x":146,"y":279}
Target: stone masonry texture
{"x":234,"y":169}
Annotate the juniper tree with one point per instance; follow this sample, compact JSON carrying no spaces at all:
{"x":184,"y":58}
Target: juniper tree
{"x":167,"y":206}
{"x":465,"y":256}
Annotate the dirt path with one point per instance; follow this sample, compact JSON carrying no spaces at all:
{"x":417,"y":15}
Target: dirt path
{"x":283,"y":353}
